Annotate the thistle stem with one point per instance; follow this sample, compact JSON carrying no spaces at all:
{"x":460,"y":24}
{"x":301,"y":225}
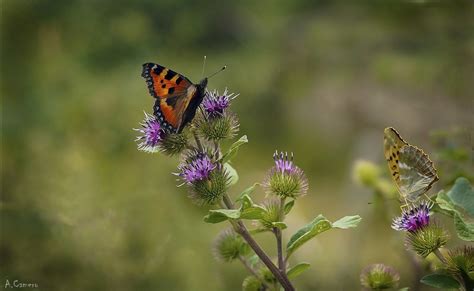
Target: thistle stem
{"x":278,"y":236}
{"x":440,"y":256}
{"x":242,"y":230}
{"x":281,"y":264}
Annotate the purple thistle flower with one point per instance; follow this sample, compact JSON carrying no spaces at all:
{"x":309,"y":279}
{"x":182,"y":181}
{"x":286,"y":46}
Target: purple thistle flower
{"x":283,"y":163}
{"x":215,"y":104}
{"x":414,"y":218}
{"x":152,"y":133}
{"x":196,"y":169}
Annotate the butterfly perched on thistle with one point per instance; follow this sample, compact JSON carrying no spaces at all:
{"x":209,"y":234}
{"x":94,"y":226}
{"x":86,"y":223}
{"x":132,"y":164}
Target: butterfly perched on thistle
{"x":177,"y":98}
{"x":412,"y":170}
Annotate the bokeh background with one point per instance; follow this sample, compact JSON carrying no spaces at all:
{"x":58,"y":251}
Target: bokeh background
{"x":82,"y":209}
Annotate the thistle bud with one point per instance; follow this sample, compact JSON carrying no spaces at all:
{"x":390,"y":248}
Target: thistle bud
{"x":379,"y":277}
{"x":229,"y":246}
{"x":366,"y":173}
{"x":272,"y":213}
{"x":251,"y":283}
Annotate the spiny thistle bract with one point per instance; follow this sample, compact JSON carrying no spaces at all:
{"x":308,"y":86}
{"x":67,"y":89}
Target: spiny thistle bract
{"x":229,"y":246}
{"x":379,"y":277}
{"x":285,"y":179}
{"x":460,"y":263}
{"x":426,"y":240}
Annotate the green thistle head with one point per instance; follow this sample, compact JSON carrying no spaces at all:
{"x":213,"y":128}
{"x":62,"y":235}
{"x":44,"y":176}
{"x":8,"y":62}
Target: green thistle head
{"x":460,"y":263}
{"x":427,"y":239}
{"x":379,"y":277}
{"x":229,"y":246}
{"x":273,"y":212}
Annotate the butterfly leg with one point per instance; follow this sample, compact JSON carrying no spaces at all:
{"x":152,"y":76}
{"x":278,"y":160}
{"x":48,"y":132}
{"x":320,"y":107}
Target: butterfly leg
{"x":404,"y":205}
{"x":429,"y":198}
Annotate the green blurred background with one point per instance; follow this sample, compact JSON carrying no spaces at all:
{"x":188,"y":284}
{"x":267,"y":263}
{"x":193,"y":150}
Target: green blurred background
{"x":82,"y":209}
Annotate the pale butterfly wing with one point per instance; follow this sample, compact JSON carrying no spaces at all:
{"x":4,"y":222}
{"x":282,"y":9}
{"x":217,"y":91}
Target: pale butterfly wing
{"x":417,"y":173}
{"x":411,"y":169}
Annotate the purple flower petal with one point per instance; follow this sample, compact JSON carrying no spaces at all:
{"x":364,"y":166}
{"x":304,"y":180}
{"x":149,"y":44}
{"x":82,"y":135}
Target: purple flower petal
{"x":152,"y":134}
{"x":414,"y":218}
{"x":197,"y":169}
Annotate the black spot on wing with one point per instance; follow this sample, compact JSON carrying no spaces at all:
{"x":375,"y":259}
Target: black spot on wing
{"x":157,"y":69}
{"x":171,"y":90}
{"x":170,"y":74}
{"x":172,"y":101}
{"x":179,"y":80}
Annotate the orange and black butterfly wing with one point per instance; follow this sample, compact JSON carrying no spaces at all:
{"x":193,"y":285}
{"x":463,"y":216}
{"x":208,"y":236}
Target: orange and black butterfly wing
{"x":172,"y":91}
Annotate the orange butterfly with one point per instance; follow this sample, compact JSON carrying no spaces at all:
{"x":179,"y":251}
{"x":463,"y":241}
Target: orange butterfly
{"x":177,"y":98}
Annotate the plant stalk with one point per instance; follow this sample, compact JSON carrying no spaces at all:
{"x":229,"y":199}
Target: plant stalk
{"x":440,"y":256}
{"x":242,"y":230}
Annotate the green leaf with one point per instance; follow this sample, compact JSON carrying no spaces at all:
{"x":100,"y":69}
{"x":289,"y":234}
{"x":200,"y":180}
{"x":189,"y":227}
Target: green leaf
{"x":219,"y":215}
{"x":279,"y":224}
{"x":462,"y":195}
{"x":315,"y":227}
{"x":234,"y":148}
{"x":440,"y":281}
{"x":252,"y":212}
{"x":297,"y":270}
{"x":347,"y":222}
{"x":233,"y":176}
{"x":465,"y":230}
{"x":246,"y":192}
{"x":289,"y":206}
{"x":458,"y":202}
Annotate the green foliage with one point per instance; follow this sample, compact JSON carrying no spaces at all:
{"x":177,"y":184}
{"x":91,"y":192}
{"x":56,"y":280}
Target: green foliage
{"x":297,"y":270}
{"x":347,"y":222}
{"x":318,"y":225}
{"x":232,"y":174}
{"x":247,"y":192}
{"x":220,"y":215}
{"x":289,"y":206}
{"x":459,"y":202}
{"x":440,"y":281}
{"x":234,"y":148}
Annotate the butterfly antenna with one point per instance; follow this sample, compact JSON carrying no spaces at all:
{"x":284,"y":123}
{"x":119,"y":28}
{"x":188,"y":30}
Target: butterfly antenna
{"x":222,"y":69}
{"x":203,"y":66}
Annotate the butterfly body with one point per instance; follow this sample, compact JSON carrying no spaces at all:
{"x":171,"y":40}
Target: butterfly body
{"x":177,"y":98}
{"x":411,"y":169}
